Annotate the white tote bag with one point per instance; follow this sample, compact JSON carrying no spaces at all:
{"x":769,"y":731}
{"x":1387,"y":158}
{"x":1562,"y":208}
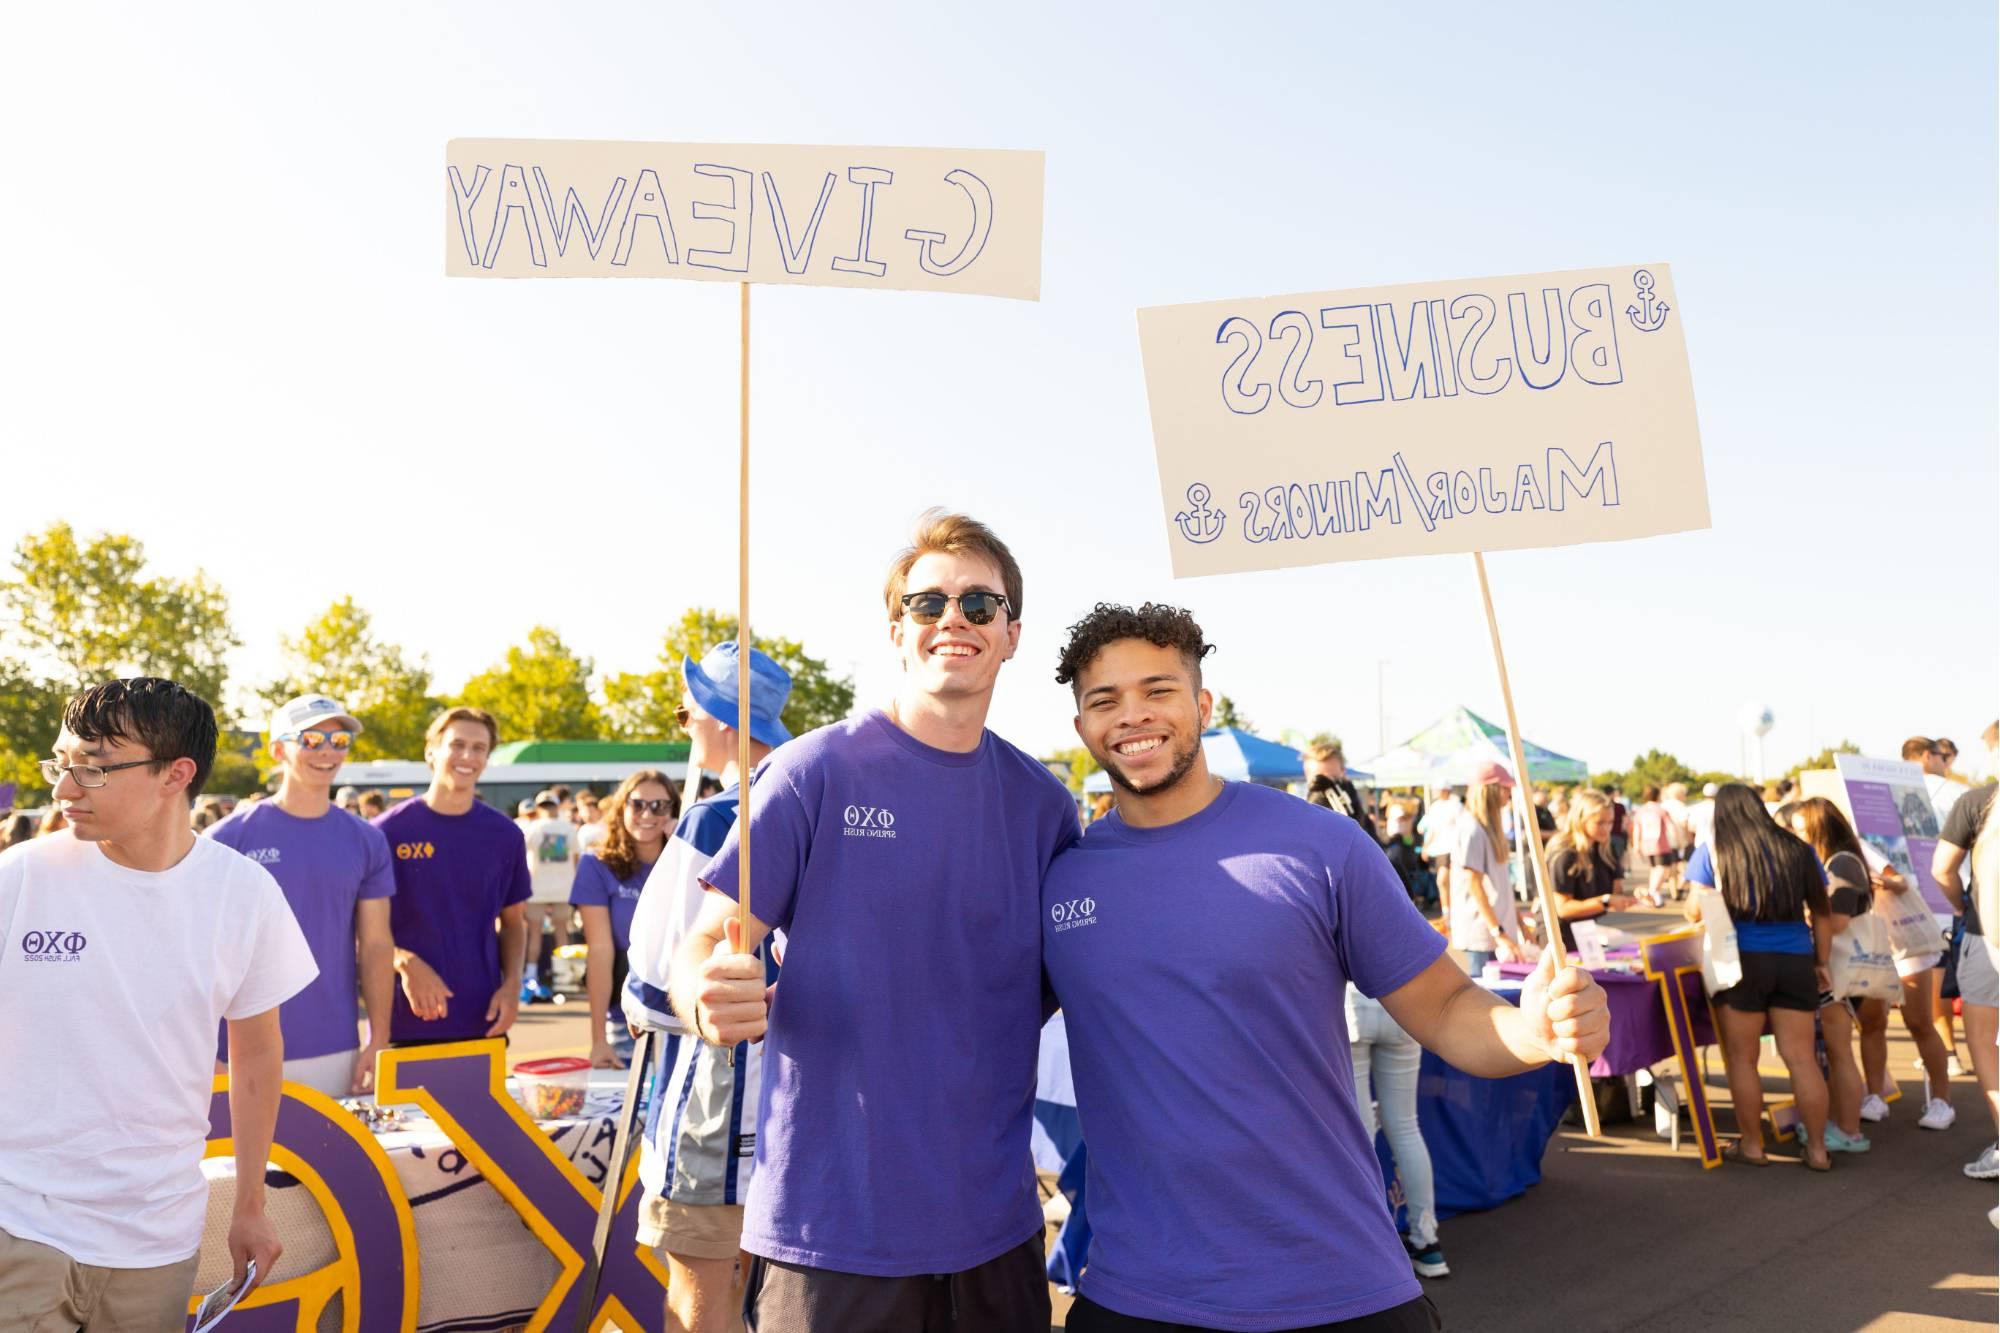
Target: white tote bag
{"x":1913,"y":931}
{"x":1721,"y":964}
{"x":1862,"y":962}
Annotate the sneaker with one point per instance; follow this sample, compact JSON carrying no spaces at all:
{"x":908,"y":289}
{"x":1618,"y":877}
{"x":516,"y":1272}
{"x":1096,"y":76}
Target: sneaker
{"x":1839,"y":1140}
{"x":1986,"y":1166}
{"x":1937,"y":1115}
{"x":528,"y":992}
{"x":1427,"y":1260}
{"x":1953,"y":1068}
{"x":1874,"y":1109}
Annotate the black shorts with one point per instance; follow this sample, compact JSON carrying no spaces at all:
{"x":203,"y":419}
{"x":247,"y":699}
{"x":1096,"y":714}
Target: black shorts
{"x":1417,"y":1316}
{"x":1009,"y":1294}
{"x":1773,"y":981}
{"x":1663,"y":858}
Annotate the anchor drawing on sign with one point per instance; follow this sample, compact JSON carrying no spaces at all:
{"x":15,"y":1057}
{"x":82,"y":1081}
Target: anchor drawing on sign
{"x":1651,"y":313}
{"x":1200,"y":524}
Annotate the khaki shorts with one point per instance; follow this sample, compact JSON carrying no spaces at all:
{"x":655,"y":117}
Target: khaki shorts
{"x":41,"y":1287}
{"x":697,"y":1230}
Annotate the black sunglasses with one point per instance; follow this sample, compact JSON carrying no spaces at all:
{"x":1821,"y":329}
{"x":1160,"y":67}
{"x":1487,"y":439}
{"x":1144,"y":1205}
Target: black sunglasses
{"x":638,"y":807}
{"x":927,"y":608}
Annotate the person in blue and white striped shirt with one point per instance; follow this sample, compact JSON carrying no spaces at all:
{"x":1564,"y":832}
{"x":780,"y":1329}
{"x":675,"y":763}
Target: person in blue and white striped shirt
{"x":698,"y":1151}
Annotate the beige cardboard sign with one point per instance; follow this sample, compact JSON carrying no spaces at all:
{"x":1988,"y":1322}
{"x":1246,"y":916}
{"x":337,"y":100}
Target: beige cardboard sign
{"x":920,"y":219}
{"x":1481,"y":415}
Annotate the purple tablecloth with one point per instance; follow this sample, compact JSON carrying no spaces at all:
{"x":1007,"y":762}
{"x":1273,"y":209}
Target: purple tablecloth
{"x":1639,"y":1034}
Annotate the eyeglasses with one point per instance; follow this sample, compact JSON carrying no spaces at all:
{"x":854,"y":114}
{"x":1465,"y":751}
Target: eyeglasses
{"x":655,"y":807}
{"x":319,"y":740}
{"x":927,"y":608}
{"x":88,"y":775}
{"x":681,"y":716}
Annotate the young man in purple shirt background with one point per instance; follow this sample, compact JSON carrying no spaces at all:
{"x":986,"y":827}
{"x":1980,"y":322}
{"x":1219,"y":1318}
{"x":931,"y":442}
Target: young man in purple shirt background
{"x":902,"y":854}
{"x":460,"y":866}
{"x":335,"y":871}
{"x":1200,"y":939}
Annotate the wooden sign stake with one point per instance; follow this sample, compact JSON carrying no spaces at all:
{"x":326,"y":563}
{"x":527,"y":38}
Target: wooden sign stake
{"x":742,"y":648}
{"x":1545,"y":891}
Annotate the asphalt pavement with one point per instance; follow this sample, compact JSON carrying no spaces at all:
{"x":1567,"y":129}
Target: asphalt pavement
{"x":1626,"y":1233}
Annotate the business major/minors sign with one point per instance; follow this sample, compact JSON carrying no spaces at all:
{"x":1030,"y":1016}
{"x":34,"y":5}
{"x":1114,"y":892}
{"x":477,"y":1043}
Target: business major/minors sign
{"x":1495,"y":413}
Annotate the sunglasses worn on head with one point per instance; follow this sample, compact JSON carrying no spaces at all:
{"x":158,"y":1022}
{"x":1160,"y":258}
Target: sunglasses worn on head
{"x":927,"y":608}
{"x":320,"y":740}
{"x":638,"y":807}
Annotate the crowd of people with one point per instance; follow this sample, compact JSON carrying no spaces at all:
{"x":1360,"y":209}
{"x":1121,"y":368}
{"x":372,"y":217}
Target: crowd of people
{"x":920,"y":885}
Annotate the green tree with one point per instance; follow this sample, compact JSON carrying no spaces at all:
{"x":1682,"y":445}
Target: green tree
{"x":234,"y":775}
{"x":1655,"y":767}
{"x":75,"y":613}
{"x":540,"y":691}
{"x":641,"y":705}
{"x":88,"y":611}
{"x":1080,"y":763}
{"x":339,"y":654}
{"x":1226,"y":715}
{"x":30,"y":716}
{"x":1824,"y":759}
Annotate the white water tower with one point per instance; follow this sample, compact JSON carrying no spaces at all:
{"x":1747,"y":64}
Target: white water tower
{"x":1756,"y":720}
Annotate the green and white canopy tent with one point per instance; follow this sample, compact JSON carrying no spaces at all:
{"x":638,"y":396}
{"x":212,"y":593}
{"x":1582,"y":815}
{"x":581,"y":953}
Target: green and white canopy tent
{"x":1447,"y":752}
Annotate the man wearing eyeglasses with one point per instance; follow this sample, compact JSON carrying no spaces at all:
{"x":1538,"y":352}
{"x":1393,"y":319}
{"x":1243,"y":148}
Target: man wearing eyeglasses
{"x":336,"y":873}
{"x":122,"y":943}
{"x":902,"y":853}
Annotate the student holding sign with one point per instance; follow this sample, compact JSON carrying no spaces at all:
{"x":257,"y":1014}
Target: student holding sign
{"x":902,"y":852}
{"x":1200,"y":939}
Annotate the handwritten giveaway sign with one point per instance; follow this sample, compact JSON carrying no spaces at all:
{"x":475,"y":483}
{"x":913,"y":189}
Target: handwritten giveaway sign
{"x":1536,"y":410}
{"x":923,"y":219}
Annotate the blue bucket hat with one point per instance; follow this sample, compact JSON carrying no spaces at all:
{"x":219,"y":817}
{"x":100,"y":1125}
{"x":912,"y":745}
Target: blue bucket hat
{"x":712,"y":682}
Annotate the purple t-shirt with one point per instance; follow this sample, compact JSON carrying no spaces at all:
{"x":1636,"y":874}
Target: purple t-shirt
{"x":596,"y":886}
{"x":899,"y":1071}
{"x":325,"y":866}
{"x":453,"y":875}
{"x":1201,"y":969}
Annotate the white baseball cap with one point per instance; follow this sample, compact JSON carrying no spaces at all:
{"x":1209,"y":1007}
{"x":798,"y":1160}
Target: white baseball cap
{"x":1709,"y":789}
{"x":309,"y":710}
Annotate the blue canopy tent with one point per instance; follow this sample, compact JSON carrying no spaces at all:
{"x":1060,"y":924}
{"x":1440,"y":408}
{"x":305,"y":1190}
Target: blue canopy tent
{"x":1235,"y":755}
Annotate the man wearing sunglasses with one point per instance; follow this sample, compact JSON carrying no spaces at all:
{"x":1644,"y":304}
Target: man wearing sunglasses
{"x":901,"y":852}
{"x":123,"y":942}
{"x":337,"y":876}
{"x":697,"y":1157}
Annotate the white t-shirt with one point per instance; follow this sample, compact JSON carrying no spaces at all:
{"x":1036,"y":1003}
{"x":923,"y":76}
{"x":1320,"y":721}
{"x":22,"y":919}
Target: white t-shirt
{"x":1701,"y":821}
{"x":551,"y":860}
{"x":1439,"y":826}
{"x":1474,"y":850}
{"x":591,"y":835}
{"x":112,"y":982}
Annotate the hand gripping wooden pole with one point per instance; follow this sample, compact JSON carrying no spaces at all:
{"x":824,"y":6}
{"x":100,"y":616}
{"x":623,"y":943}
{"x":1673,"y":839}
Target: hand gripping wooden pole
{"x":1544,"y":890}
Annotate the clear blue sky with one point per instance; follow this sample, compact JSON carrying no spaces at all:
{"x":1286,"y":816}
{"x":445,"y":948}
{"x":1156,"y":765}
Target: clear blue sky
{"x":228,"y":333}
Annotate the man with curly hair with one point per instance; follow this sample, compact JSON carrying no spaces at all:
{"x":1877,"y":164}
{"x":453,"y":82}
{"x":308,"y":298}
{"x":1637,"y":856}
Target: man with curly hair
{"x":1200,"y":940}
{"x":894,"y":1186}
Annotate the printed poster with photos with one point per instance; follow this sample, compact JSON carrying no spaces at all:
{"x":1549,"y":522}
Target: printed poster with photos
{"x":1892,"y":812}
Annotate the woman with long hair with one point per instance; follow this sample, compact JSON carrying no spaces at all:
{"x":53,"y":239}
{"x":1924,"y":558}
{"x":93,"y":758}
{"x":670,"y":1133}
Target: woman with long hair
{"x":1481,"y":907}
{"x":638,"y":819}
{"x":1580,"y":865}
{"x":1819,"y":822}
{"x":1770,"y":882}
